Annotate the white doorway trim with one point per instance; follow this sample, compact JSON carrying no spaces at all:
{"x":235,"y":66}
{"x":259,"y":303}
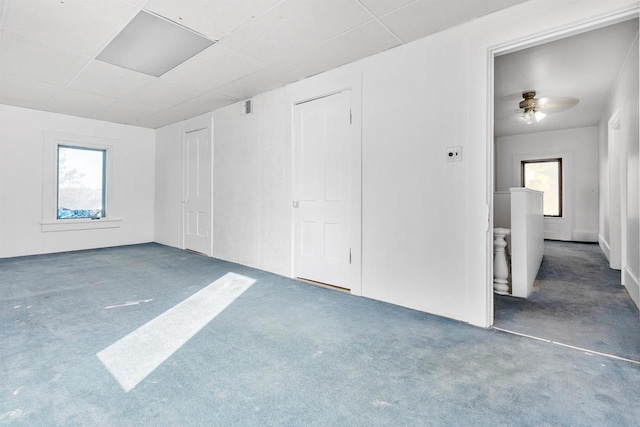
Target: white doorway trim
{"x":616,"y":148}
{"x":535,"y":39}
{"x":204,"y":121}
{"x":320,"y":87}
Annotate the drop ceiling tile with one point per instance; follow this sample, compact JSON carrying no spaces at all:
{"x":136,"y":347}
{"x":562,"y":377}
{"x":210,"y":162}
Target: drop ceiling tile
{"x":364,"y":41}
{"x":25,"y":93}
{"x":124,"y":112}
{"x":77,"y":26}
{"x":381,"y":7}
{"x":430,"y":16}
{"x":109,"y":80}
{"x":163,"y":94}
{"x":213,"y":67}
{"x":25,"y":58}
{"x":159,"y":119}
{"x":256,"y":83}
{"x":202,"y":104}
{"x":215,"y":19}
{"x":137,"y":3}
{"x":78,"y":103}
{"x":296,"y":25}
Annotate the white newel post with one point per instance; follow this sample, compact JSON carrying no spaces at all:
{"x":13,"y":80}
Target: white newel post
{"x":500,"y":267}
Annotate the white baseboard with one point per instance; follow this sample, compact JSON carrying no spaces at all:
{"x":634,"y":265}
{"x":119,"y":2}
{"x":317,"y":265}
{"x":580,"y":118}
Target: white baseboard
{"x":632,"y":284}
{"x":604,"y":245}
{"x":585,"y":236}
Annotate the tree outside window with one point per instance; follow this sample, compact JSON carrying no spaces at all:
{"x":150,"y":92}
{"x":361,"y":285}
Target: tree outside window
{"x":81,"y":182}
{"x":545,"y":175}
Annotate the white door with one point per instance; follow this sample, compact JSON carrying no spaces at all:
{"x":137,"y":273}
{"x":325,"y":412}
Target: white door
{"x":197,"y":191}
{"x":322,"y":191}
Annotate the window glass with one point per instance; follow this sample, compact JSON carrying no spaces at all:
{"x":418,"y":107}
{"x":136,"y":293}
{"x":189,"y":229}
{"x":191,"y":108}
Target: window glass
{"x":81,"y":178}
{"x":546,"y":176}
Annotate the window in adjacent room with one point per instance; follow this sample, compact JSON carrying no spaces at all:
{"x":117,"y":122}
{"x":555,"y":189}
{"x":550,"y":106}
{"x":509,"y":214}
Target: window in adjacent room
{"x":545,"y":175}
{"x":81,"y":182}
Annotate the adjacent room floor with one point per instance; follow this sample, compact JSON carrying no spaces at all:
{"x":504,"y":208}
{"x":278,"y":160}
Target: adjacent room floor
{"x":282,"y":353}
{"x":577,"y":300}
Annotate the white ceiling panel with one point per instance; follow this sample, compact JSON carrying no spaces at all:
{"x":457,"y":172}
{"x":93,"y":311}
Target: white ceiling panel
{"x":27,"y":59}
{"x":296,"y":25}
{"x":208,"y":102}
{"x":76,"y":102}
{"x":124,"y":112}
{"x":261,"y":81}
{"x":353,"y":45}
{"x":25,"y":93}
{"x":159,"y":119}
{"x":109,"y":80}
{"x":82,"y":27}
{"x":426,"y":17}
{"x":48,"y":49}
{"x":162,"y":94}
{"x":213,"y":67}
{"x":381,"y":7}
{"x":137,"y":3}
{"x":215,"y":19}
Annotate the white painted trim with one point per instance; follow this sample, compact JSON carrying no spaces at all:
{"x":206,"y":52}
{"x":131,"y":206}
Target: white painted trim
{"x":604,"y":245}
{"x":307,"y":90}
{"x":632,"y":283}
{"x":80,"y":224}
{"x":585,"y":236}
{"x":201,"y":122}
{"x":617,"y":189}
{"x":555,"y":32}
{"x":50,"y":222}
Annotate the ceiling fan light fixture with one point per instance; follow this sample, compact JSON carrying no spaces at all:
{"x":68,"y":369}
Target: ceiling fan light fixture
{"x":539,"y":115}
{"x":531,"y":115}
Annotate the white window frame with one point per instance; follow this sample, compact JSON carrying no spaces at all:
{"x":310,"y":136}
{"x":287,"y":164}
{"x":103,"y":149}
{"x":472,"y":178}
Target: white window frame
{"x":560,"y":189}
{"x":50,"y":221}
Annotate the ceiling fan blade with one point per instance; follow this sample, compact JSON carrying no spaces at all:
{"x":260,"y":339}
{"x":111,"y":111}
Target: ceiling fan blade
{"x":556,"y":105}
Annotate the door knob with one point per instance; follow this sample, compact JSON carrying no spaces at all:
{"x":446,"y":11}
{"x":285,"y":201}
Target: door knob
{"x":296,"y":203}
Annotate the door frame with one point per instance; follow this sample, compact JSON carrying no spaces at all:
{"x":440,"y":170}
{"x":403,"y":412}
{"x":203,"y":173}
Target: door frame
{"x":616,"y":153}
{"x":195,"y":124}
{"x":309,"y":90}
{"x":534,"y":39}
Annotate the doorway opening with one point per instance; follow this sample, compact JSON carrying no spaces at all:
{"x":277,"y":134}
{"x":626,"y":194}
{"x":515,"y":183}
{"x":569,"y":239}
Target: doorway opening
{"x":576,"y":299}
{"x":197,"y":191}
{"x":326,"y":191}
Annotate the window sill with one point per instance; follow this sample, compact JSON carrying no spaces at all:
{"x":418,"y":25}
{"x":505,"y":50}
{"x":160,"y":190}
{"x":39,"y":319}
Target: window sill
{"x":80,"y":224}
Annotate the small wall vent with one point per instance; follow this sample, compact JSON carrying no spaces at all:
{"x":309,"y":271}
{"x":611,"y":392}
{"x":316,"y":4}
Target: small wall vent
{"x":247,"y":107}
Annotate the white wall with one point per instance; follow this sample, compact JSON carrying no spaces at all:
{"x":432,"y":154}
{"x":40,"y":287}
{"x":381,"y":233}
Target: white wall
{"x":527,"y":239}
{"x":578,"y":149}
{"x":252,"y":209}
{"x":624,"y":98}
{"x":169,"y":192}
{"x":426,"y":241}
{"x":21,"y":183}
{"x":168,"y":195}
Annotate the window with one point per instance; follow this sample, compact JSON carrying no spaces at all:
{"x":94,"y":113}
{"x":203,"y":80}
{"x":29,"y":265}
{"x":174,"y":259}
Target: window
{"x":545,"y":175}
{"x":81,"y":182}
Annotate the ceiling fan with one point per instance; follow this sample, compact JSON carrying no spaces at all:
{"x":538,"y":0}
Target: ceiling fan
{"x":535,"y":109}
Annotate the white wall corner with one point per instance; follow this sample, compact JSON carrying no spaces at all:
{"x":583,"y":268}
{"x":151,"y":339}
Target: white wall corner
{"x":604,"y":245}
{"x":632,"y":283}
{"x":585,"y":236}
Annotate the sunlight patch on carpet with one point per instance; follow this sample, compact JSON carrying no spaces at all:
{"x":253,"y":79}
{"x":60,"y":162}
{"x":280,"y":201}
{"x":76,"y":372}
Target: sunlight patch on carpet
{"x":135,"y":356}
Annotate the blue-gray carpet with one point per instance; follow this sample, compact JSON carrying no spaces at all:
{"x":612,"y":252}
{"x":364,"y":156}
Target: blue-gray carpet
{"x":577,"y":300}
{"x":284,"y":353}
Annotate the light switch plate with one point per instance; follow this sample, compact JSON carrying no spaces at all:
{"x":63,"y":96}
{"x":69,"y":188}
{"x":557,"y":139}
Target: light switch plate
{"x":454,"y":154}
